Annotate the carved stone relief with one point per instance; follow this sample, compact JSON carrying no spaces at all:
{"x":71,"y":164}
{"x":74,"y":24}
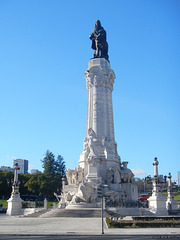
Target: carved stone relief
{"x":75,"y":176}
{"x":96,"y":77}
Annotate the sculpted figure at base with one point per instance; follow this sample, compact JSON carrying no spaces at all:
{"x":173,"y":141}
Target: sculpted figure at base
{"x":120,"y":175}
{"x":126,"y":174}
{"x":89,"y":193}
{"x":75,"y":176}
{"x":114,"y":175}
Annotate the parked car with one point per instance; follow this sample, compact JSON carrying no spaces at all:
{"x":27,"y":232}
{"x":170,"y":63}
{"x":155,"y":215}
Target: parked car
{"x":143,"y":197}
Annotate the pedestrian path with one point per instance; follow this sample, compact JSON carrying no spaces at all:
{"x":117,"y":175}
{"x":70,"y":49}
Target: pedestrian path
{"x":88,"y":226}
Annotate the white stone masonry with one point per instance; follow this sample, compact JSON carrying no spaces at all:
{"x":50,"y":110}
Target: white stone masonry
{"x":99,"y":163}
{"x":99,"y":145}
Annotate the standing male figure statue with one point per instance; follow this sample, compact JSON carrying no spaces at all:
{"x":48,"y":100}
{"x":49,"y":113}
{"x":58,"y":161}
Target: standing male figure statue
{"x":99,"y":43}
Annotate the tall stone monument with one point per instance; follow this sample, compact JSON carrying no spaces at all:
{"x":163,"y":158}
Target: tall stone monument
{"x":99,"y":163}
{"x":157,"y":203}
{"x":15,"y":202}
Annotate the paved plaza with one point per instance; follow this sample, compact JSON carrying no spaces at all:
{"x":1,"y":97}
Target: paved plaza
{"x":10,"y":226}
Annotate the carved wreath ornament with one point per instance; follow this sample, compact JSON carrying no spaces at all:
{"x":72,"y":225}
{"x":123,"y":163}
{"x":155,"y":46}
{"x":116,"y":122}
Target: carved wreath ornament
{"x":97,"y":77}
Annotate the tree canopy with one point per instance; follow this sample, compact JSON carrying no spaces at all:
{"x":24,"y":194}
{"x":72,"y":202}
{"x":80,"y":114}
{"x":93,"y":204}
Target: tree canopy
{"x":50,"y":180}
{"x":38,"y":184}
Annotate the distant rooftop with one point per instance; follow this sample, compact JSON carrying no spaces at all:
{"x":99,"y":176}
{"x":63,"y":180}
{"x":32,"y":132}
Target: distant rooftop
{"x":6,"y":168}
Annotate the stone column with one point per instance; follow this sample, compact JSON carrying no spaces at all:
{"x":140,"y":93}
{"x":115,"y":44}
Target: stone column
{"x":15,"y":202}
{"x":155,"y":164}
{"x":171,"y":204}
{"x":99,"y":144}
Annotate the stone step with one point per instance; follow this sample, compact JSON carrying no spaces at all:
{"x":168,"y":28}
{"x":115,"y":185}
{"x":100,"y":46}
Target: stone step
{"x":121,"y":212}
{"x":79,"y":213}
{"x":38,"y":213}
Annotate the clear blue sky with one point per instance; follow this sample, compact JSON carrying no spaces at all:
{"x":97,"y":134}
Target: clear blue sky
{"x":44,"y":52}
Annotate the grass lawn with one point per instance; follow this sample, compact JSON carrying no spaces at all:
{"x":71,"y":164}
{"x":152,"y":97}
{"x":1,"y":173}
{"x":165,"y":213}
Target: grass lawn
{"x":4,"y":202}
{"x":176,"y":195}
{"x":177,"y":198}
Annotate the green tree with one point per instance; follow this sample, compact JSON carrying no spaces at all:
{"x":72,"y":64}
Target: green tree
{"x":6,"y":179}
{"x":48,"y":163}
{"x":60,"y":167}
{"x":34,"y":184}
{"x":23,"y":178}
{"x":54,"y":170}
{"x":39,"y":184}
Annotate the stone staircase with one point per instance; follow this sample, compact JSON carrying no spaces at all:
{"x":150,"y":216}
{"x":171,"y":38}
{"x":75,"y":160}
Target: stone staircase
{"x":90,"y":213}
{"x":76,"y":213}
{"x":121,"y":212}
{"x":37,"y":214}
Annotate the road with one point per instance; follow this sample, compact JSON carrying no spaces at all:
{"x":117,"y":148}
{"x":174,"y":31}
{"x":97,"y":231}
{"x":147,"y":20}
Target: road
{"x":85,"y":237}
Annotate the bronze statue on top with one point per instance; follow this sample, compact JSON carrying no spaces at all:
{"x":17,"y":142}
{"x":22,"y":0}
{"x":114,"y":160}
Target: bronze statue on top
{"x":99,"y":43}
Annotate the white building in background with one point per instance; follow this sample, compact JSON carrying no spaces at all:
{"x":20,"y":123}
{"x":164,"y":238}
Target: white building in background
{"x":22,"y":164}
{"x":33,"y":171}
{"x":178,"y":178}
{"x":5,"y":168}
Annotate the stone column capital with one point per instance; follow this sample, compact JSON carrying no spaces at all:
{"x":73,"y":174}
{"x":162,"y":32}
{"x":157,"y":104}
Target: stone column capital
{"x":99,"y":74}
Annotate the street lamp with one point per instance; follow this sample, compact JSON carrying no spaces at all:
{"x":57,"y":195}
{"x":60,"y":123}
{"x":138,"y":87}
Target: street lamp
{"x":100,"y":194}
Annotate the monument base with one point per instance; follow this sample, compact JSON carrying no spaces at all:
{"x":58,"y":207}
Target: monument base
{"x":157,"y":205}
{"x":14,"y":206}
{"x":171,"y":204}
{"x":131,"y":191}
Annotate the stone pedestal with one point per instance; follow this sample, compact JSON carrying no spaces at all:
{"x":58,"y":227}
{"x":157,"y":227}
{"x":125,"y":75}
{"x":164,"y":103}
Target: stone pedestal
{"x":15,"y":202}
{"x":14,"y":206}
{"x":93,"y":170}
{"x":131,"y":191}
{"x":157,"y":203}
{"x":171,"y":204}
